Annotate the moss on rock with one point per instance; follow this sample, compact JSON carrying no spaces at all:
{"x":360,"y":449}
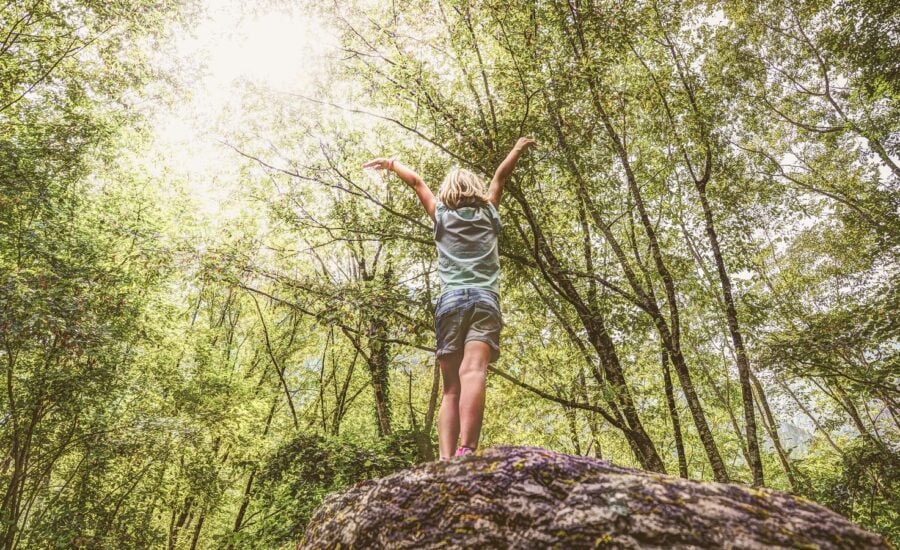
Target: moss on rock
{"x":520,"y":497}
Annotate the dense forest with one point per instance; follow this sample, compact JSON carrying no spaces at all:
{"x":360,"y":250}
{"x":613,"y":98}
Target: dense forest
{"x":200,"y":339}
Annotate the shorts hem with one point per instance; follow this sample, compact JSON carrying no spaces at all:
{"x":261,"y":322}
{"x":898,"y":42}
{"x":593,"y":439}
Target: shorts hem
{"x":446,"y":351}
{"x":495,"y":349}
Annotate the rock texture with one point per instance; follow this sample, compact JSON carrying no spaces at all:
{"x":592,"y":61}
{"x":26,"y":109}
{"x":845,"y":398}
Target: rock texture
{"x":519,"y":497}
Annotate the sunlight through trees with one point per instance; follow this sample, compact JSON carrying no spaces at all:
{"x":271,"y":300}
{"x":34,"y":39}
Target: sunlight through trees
{"x":211,"y":316}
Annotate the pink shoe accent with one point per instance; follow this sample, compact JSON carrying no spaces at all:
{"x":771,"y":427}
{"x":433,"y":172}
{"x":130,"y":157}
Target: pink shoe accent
{"x":463,"y":451}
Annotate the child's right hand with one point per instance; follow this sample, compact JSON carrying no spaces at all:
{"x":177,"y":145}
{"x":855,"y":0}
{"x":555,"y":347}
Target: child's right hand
{"x":524,"y":143}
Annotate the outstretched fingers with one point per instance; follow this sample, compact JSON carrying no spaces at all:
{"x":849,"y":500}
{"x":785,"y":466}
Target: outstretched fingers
{"x":379,"y":163}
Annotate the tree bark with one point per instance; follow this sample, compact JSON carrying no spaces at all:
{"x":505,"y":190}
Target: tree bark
{"x":743,"y":363}
{"x":673,"y":414}
{"x":772,"y":428}
{"x":378,"y":370}
{"x":598,"y":337}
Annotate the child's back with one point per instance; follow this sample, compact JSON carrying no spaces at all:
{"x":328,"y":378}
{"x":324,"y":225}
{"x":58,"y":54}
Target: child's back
{"x":466,"y":238}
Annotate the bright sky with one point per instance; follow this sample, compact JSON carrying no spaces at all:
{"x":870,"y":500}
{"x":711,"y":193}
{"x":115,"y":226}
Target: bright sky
{"x":278,"y":47}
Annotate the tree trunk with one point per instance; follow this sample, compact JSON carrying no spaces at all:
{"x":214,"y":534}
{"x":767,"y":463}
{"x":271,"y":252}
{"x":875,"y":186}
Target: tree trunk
{"x":378,"y":370}
{"x":424,"y":445}
{"x":197,"y":530}
{"x":673,"y":414}
{"x":637,"y":436}
{"x":669,"y":335}
{"x":245,"y":501}
{"x":176,"y":525}
{"x":599,"y":339}
{"x":772,"y":428}
{"x":743,"y":363}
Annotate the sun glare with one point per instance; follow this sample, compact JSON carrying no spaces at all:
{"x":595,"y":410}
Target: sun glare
{"x":275,"y":48}
{"x":236,"y":46}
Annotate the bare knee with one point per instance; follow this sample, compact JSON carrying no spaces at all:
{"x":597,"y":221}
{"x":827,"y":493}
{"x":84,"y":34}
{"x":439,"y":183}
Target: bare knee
{"x":450,"y":367}
{"x":473,"y":368}
{"x":451,"y":390}
{"x":475,"y":361}
{"x":451,"y":386}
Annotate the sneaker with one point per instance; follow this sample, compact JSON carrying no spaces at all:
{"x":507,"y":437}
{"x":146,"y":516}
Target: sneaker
{"x":463,"y":451}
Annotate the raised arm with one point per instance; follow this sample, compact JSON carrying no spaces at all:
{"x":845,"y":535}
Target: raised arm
{"x":505,"y":169}
{"x":426,"y":197}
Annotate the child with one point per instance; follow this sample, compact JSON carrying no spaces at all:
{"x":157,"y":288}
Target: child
{"x":467,"y":315}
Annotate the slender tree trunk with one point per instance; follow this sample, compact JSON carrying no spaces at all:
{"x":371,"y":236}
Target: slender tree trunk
{"x":424,"y":445}
{"x":589,"y":360}
{"x":669,"y":332}
{"x":182,"y":521}
{"x":279,"y":369}
{"x":743,"y":363}
{"x":699,"y":417}
{"x":197,"y":530}
{"x":340,"y":401}
{"x":599,"y":338}
{"x":245,"y":500}
{"x":725,"y":402}
{"x":772,"y":429}
{"x":844,"y":400}
{"x":572,"y":419}
{"x":378,"y":370}
{"x":673,"y":414}
{"x":591,"y":417}
{"x":639,"y":438}
{"x":15,"y":492}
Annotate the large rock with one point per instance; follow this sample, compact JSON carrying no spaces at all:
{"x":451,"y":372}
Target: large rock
{"x":519,"y":497}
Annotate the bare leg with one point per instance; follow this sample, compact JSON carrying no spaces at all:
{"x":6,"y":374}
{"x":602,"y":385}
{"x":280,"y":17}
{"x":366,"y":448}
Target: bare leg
{"x":448,"y":418}
{"x":472,"y":377}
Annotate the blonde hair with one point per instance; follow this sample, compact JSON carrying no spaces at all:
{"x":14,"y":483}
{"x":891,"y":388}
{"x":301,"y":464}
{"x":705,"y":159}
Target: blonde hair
{"x":460,"y":184}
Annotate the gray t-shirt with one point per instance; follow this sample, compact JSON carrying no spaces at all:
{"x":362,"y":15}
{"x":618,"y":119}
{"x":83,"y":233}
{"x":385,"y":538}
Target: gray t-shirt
{"x":466,"y":238}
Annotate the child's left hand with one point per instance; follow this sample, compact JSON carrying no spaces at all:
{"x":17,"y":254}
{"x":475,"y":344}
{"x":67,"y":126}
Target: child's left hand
{"x":379,"y":164}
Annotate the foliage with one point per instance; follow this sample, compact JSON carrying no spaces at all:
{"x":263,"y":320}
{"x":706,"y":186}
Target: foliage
{"x":707,"y":237}
{"x":862,"y":485}
{"x":302,"y":471}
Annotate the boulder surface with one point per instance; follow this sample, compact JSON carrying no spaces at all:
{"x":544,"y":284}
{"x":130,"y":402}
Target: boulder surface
{"x":522,"y":497}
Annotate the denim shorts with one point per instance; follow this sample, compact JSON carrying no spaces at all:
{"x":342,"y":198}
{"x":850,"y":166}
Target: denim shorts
{"x":467,"y":314}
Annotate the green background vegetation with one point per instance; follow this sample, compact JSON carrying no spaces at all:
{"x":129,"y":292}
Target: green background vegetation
{"x":706,"y":239}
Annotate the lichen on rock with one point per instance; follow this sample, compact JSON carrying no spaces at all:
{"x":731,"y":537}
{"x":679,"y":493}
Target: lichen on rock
{"x":522,"y":497}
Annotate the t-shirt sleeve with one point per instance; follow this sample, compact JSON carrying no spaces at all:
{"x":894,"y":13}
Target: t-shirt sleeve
{"x":495,"y":217}
{"x":439,"y":211}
